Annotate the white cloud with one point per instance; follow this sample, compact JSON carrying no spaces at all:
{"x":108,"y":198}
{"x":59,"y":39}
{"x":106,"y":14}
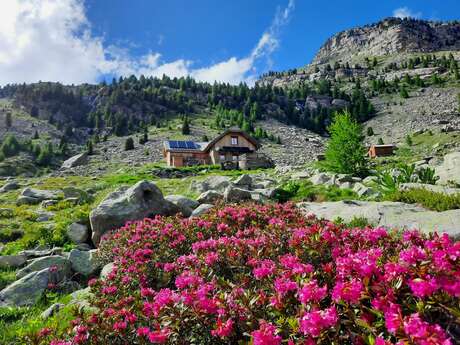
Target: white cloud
{"x":51,"y":40}
{"x":405,"y":12}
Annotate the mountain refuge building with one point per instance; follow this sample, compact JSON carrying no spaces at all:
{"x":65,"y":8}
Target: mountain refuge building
{"x":232,"y":146}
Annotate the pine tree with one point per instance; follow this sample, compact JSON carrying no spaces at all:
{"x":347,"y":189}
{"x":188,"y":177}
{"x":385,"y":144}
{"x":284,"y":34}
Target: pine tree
{"x":36,"y":136}
{"x":8,"y":120}
{"x":185,"y":126}
{"x":409,"y":140}
{"x":345,"y":151}
{"x":89,"y":147}
{"x":370,"y":131}
{"x":129,"y":144}
{"x":403,"y":92}
{"x":380,"y":141}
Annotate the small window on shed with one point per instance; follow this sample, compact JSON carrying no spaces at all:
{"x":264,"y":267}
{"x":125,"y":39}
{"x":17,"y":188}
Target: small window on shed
{"x":235,"y":158}
{"x":222,"y":158}
{"x":234,"y":140}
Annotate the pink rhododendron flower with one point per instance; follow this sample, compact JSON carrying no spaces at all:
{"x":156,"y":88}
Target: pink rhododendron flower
{"x":264,"y":269}
{"x":224,"y":329}
{"x":160,"y":336}
{"x":312,"y":323}
{"x":423,"y":333}
{"x":422,"y":288}
{"x":393,"y":319}
{"x":266,"y":335}
{"x":311,"y":292}
{"x":349,"y":291}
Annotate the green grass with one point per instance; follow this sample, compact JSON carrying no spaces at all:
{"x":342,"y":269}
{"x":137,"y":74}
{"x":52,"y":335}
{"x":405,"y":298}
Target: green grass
{"x":428,"y":199}
{"x":306,"y":191}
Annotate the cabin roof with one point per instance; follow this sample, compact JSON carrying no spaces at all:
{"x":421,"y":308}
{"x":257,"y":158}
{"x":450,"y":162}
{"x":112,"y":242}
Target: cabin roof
{"x":184,"y":145}
{"x":383,"y":145}
{"x":232,"y":131}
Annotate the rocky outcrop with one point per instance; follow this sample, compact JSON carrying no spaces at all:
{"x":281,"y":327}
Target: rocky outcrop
{"x":59,"y":262}
{"x":12,"y":261}
{"x":235,"y":194}
{"x":200,"y":210}
{"x":217,"y":183}
{"x":388,"y":214}
{"x":142,"y":200}
{"x":390,"y":36}
{"x":429,"y":187}
{"x":449,"y":170}
{"x":210,"y":197}
{"x":9,"y":186}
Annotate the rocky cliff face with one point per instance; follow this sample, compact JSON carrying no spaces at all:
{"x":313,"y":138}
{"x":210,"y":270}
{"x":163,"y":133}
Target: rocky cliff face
{"x":390,"y":36}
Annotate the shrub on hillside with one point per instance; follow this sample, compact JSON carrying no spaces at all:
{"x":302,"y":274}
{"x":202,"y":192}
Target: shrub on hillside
{"x":129,"y":144}
{"x":268,"y":275}
{"x":431,"y":200}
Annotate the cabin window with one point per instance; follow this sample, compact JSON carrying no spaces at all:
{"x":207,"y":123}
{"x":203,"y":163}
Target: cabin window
{"x":222,"y":158}
{"x":235,"y":158}
{"x":234,"y":140}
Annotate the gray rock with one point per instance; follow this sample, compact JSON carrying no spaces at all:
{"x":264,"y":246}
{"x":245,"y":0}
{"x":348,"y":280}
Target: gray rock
{"x":217,"y":183}
{"x":388,"y":214}
{"x":363,"y":190}
{"x":9,"y":186}
{"x":320,"y":178}
{"x":370,"y":180}
{"x":341,"y":178}
{"x":262,"y":184}
{"x":266,"y":192}
{"x":52,"y":310}
{"x":39,"y":252}
{"x":346,"y":185}
{"x":80,"y":299}
{"x":80,"y":159}
{"x":449,"y":170}
{"x":75,"y":193}
{"x":144,"y":199}
{"x":185,"y":205}
{"x":210,"y":197}
{"x":26,"y":200}
{"x":429,"y":187}
{"x":12,"y":261}
{"x":39,"y":264}
{"x":300,"y":175}
{"x":234,"y":194}
{"x":77,"y":233}
{"x":48,"y":203}
{"x":44,"y":216}
{"x":84,"y":262}
{"x":244,"y":180}
{"x":29,"y":289}
{"x":200,"y":210}
{"x":106,"y":270}
{"x":83,"y":246}
{"x":40,"y":194}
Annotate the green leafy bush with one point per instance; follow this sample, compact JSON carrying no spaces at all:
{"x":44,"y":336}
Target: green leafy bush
{"x":427,"y":175}
{"x":431,"y":200}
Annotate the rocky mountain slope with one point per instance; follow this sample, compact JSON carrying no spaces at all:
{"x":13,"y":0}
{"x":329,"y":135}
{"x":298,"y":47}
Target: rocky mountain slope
{"x":390,"y":36}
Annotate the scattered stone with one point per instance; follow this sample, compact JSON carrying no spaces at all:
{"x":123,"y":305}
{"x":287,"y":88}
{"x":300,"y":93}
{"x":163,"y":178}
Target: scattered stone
{"x":185,"y":205}
{"x":300,"y":175}
{"x":320,"y":178}
{"x":75,"y":193}
{"x":266,"y":192}
{"x":60,"y":262}
{"x":9,"y":186}
{"x":77,"y":233}
{"x":363,"y":190}
{"x":27,"y":200}
{"x":41,"y":251}
{"x":12,"y":261}
{"x":80,"y":159}
{"x":48,"y":203}
{"x":144,"y":199}
{"x":40,"y":194}
{"x":84,"y":262}
{"x":243,"y":181}
{"x":83,"y":246}
{"x":234,"y":194}
{"x":210,"y":197}
{"x":52,"y":310}
{"x":346,"y":185}
{"x":200,"y":210}
{"x":106,"y":270}
{"x":29,"y":289}
{"x":44,"y":216}
{"x":217,"y":183}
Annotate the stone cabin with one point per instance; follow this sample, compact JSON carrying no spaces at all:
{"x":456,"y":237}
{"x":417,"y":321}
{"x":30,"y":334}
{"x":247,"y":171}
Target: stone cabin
{"x":227,"y":147}
{"x":381,"y":150}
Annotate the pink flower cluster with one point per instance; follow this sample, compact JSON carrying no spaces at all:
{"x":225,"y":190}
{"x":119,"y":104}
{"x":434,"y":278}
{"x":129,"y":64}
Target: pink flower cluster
{"x":270,"y":275}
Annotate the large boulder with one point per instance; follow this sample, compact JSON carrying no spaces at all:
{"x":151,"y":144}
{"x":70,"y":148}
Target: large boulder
{"x":142,"y":200}
{"x":185,"y":205}
{"x":84,"y":262}
{"x":78,"y":233}
{"x":388,"y":214}
{"x":80,"y":159}
{"x":449,"y":170}
{"x":243,"y":181}
{"x":60,"y":262}
{"x":202,"y":209}
{"x":217,"y":183}
{"x":40,"y":194}
{"x":210,"y":197}
{"x":234,"y":194}
{"x":29,"y":289}
{"x":12,"y":261}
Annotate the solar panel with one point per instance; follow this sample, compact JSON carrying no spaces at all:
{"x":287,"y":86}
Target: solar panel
{"x":178,"y":144}
{"x":190,"y":145}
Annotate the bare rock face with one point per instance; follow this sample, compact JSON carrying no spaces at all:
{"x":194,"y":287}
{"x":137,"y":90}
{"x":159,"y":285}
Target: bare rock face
{"x":142,"y":200}
{"x":80,"y":159}
{"x":390,"y":36}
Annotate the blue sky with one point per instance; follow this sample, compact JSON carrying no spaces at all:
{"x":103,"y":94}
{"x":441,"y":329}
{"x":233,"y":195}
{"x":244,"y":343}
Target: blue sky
{"x":76,"y":41}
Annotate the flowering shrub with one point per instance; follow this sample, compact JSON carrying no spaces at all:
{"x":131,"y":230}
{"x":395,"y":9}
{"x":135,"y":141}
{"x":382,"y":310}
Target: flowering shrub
{"x":268,"y":275}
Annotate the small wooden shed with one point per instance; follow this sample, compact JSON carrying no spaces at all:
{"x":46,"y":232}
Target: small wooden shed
{"x":381,"y":150}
